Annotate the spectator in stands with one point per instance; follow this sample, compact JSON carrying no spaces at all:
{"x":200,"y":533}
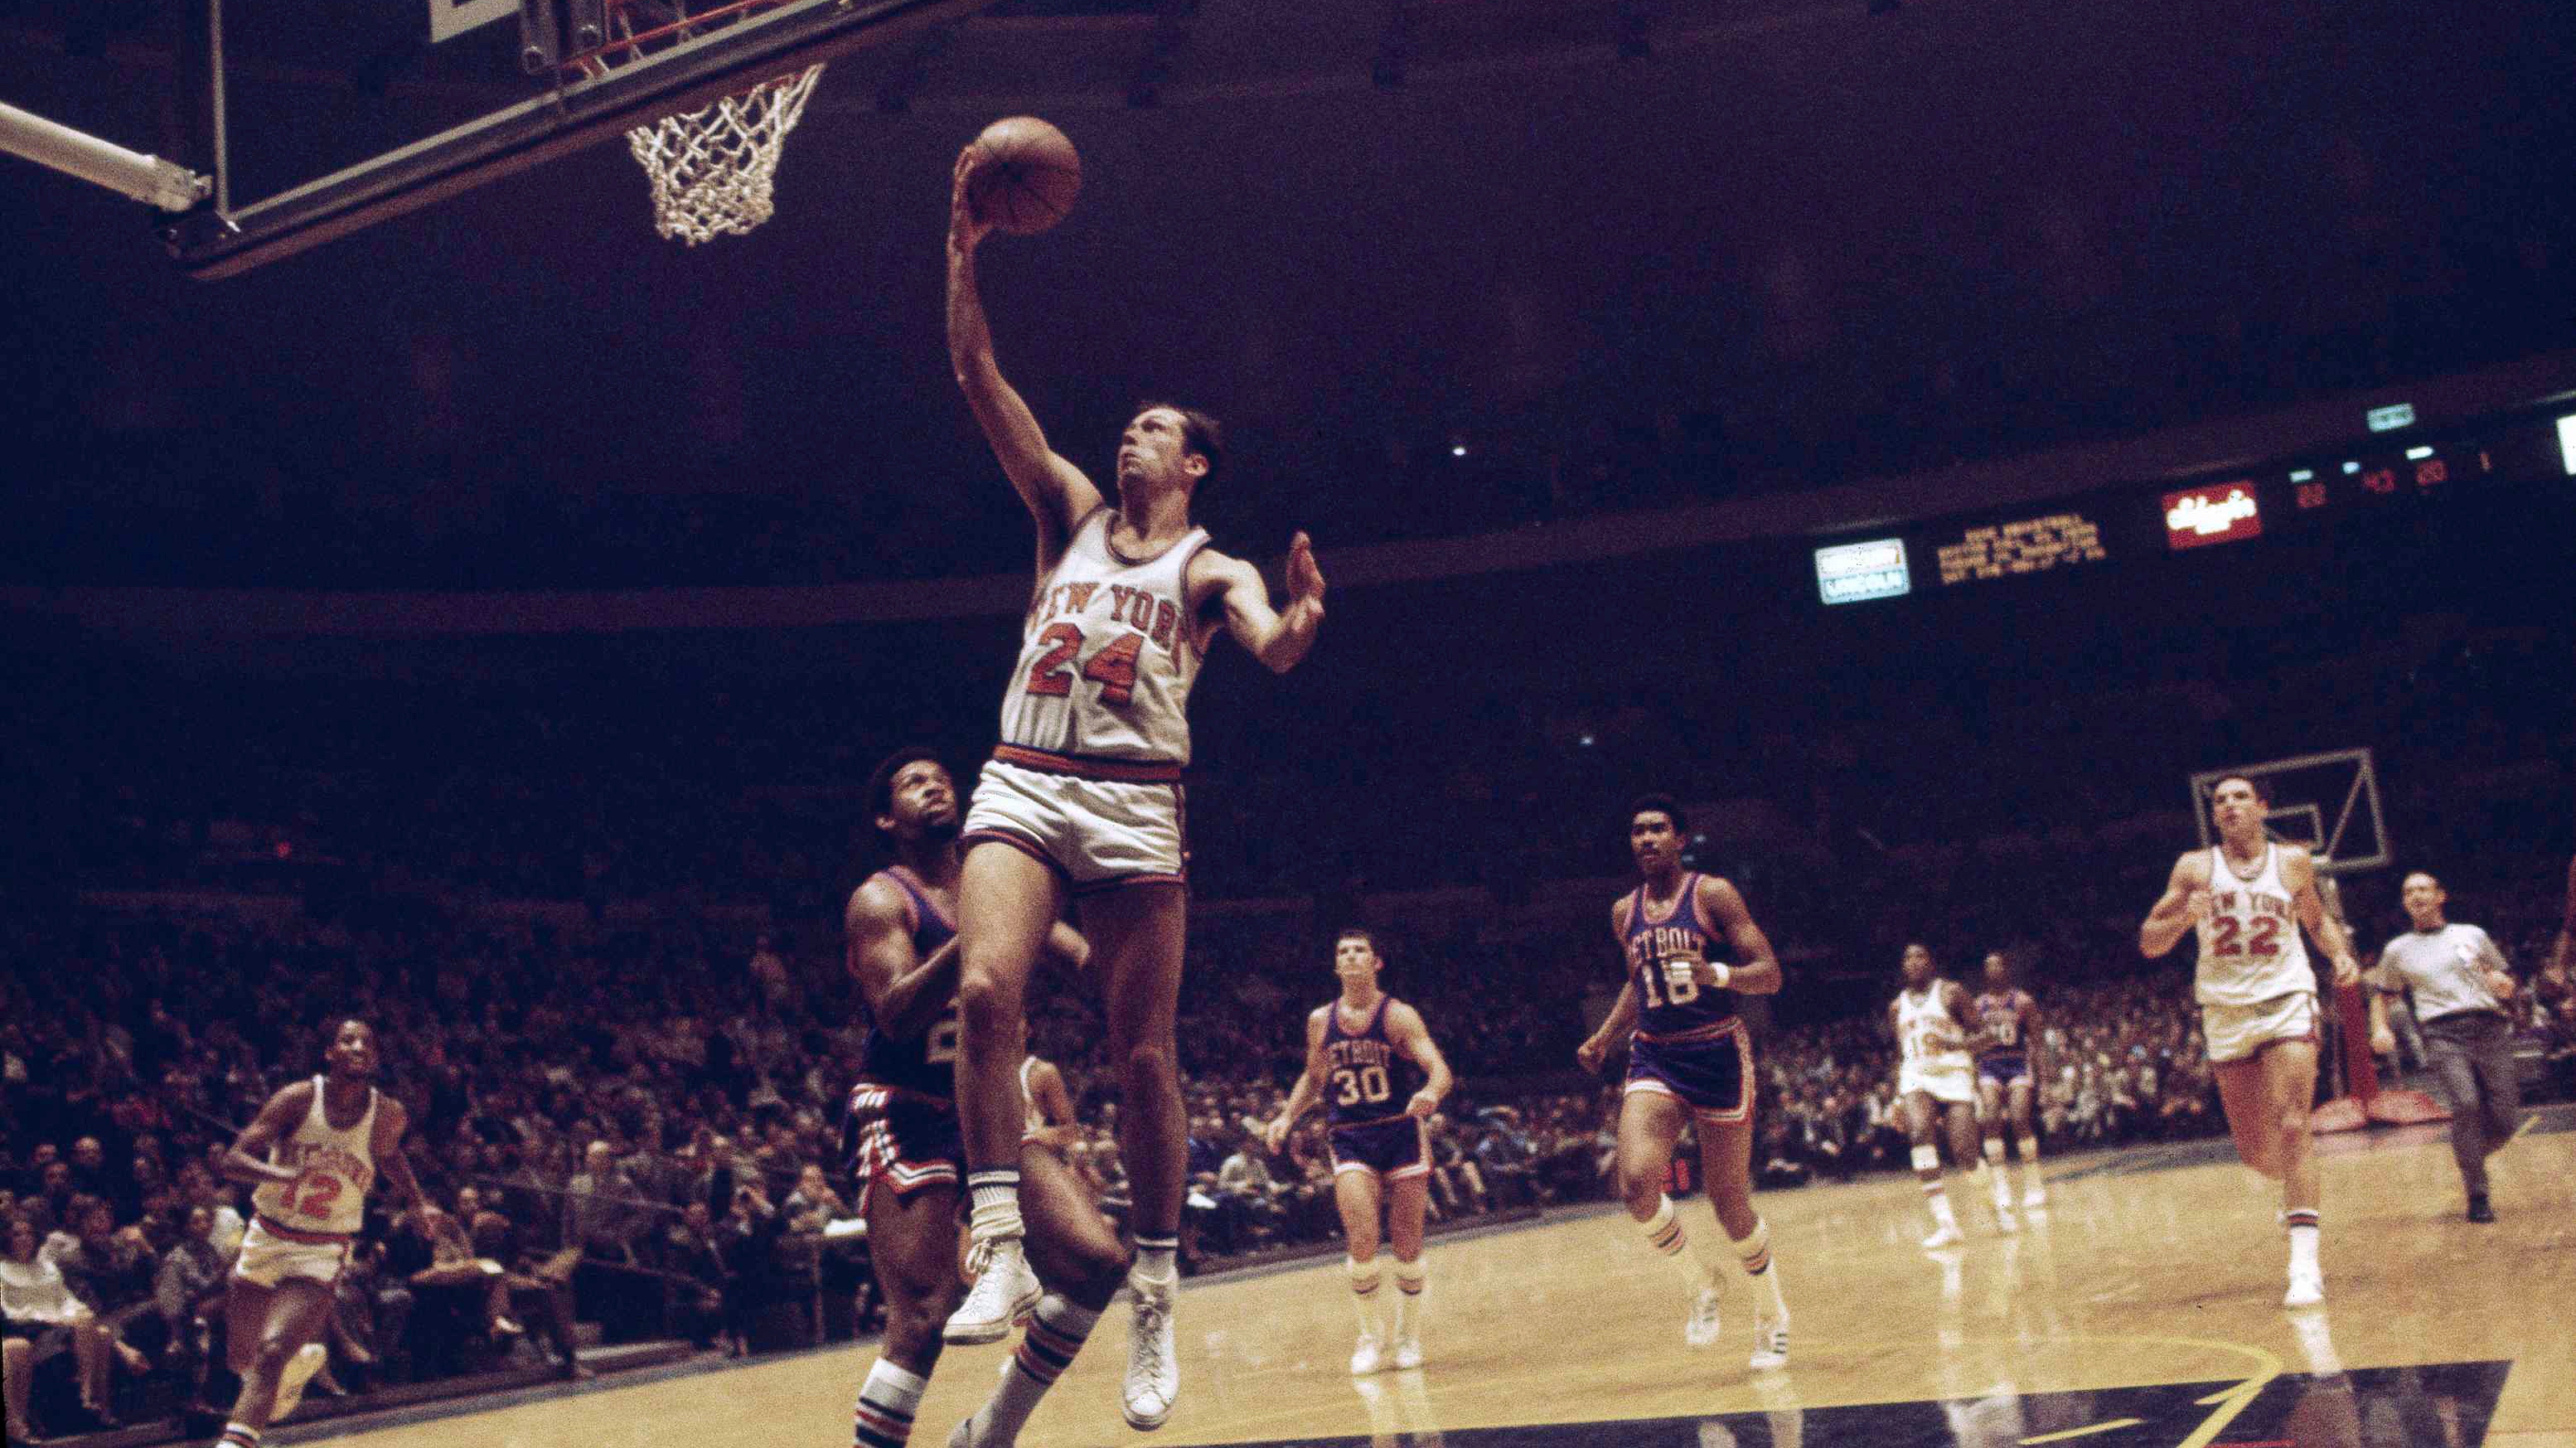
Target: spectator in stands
{"x":1247,"y":1197}
{"x":600,"y":1217}
{"x":43,"y":1322}
{"x":1507,"y":1159}
{"x":110,"y":1269}
{"x":188,"y":1291}
{"x":2553,"y":1002}
{"x":1455,"y":1182}
{"x":694,"y":1257}
{"x":749,"y":1240}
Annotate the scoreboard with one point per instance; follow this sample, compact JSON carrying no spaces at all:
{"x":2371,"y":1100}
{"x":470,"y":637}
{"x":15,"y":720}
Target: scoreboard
{"x":2217,"y":510}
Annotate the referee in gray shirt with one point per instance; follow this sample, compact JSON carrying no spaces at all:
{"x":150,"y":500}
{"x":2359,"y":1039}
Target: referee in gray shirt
{"x":2461,"y":985}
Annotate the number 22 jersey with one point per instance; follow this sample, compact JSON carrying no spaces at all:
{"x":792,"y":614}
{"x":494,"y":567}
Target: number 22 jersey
{"x":2250,"y":950}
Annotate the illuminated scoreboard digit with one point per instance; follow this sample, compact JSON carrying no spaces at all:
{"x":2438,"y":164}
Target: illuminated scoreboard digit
{"x":2025,"y":545}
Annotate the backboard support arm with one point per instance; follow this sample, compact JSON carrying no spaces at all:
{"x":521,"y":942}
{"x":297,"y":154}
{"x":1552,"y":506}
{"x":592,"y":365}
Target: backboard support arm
{"x":165,"y":184}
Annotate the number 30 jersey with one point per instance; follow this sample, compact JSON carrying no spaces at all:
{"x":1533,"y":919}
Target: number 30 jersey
{"x":1107,"y":656}
{"x":1365,"y":1077}
{"x":1673,"y":1004}
{"x":926,"y":1064}
{"x":2250,"y":950}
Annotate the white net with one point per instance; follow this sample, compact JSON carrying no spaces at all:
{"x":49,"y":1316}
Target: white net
{"x":712,"y":168}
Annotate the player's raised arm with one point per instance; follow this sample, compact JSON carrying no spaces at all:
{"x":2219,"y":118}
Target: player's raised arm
{"x":1309,"y":1087}
{"x":1404,"y":1027}
{"x":904,"y":995}
{"x":248,"y":1160}
{"x":1757,"y":967}
{"x":2184,"y":905}
{"x":1279,"y":638}
{"x":1056,"y":491}
{"x":2299,"y":873}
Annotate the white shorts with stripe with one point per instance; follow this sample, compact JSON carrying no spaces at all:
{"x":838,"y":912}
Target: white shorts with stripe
{"x":1949,"y":1085}
{"x":1099,"y":824}
{"x":2239,"y":1033}
{"x":270,"y":1255}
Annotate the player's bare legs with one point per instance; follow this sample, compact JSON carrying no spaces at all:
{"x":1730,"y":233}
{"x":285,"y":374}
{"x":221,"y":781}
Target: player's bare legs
{"x":1137,"y":936}
{"x":266,"y":1328}
{"x":2244,"y":1094}
{"x":1959,"y":1119}
{"x":1356,"y":1194}
{"x":1082,"y":1262}
{"x":912,"y":1245}
{"x":2290,"y":1075}
{"x":1007,"y":901}
{"x":1408,"y":1202}
{"x":1650,"y":1122}
{"x":2026,"y":1144}
{"x":1921,"y":1121}
{"x":1726,"y":1166}
{"x":1990,"y":1118}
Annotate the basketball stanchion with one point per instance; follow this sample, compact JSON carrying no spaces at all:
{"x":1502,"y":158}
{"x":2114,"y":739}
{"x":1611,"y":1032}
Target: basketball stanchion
{"x":2366,"y":1102}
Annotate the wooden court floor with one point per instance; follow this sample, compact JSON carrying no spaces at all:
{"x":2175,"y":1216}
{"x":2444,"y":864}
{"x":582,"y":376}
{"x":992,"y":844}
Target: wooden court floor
{"x":2140,"y":1309}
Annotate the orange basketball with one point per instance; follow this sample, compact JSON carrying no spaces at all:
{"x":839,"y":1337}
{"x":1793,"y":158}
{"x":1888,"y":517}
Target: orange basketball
{"x":1025,"y":177}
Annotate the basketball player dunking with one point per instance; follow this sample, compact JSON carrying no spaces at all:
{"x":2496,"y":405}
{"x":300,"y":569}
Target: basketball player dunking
{"x":1937,"y":1082}
{"x":1372,"y":1062}
{"x":1083,"y":799}
{"x":2247,"y":898}
{"x":1689,"y":1059}
{"x":312,"y":1152}
{"x":2007,"y":1062}
{"x":901,"y":1140}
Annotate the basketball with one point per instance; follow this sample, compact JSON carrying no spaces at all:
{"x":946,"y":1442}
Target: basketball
{"x":1026,"y":176}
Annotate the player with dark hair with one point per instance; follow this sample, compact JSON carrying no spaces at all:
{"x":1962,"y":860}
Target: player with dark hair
{"x":1936,"y":1079}
{"x":1083,"y":800}
{"x":2007,"y":1051}
{"x":901,"y":1139}
{"x":1372,"y":1063}
{"x":1690,"y":1062}
{"x":313,"y":1152}
{"x":2247,"y":898}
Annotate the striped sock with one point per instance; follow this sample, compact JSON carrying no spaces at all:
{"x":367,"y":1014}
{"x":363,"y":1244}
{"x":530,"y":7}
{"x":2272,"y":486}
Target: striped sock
{"x":887,"y":1402}
{"x":1056,"y":1332}
{"x":2302,"y":1225}
{"x":239,"y":1435}
{"x":1755,"y":1253}
{"x":1664,"y":1233}
{"x":1155,"y":1256}
{"x":1410,"y":1280}
{"x":1364,"y":1281}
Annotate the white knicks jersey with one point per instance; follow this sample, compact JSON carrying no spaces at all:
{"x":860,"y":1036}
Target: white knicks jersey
{"x":1928,"y":1037}
{"x":2250,"y":950}
{"x":1107,"y":658}
{"x":338,"y":1167}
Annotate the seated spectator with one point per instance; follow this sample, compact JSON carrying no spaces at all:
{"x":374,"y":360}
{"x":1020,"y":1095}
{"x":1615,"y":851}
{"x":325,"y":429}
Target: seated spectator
{"x":1247,"y":1198}
{"x":189,"y":1290}
{"x":1507,"y":1158}
{"x":1456,"y":1184}
{"x":694,"y":1258}
{"x":44,"y":1324}
{"x":110,"y":1268}
{"x":749,"y":1240}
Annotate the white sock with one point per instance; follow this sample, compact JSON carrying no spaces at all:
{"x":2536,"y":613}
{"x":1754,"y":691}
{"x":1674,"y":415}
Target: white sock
{"x":1937,"y":1197}
{"x":2303,"y":1240}
{"x":1056,"y":1332}
{"x":1755,"y":1253}
{"x":887,"y":1402}
{"x":1158,"y":1257}
{"x":1664,"y":1233}
{"x":1364,"y":1284}
{"x":1411,"y":1280}
{"x":996,"y":1195}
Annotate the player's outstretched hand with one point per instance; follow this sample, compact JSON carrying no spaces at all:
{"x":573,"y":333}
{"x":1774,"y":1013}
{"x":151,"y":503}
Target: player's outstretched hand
{"x":2383,"y":1042}
{"x":1591,"y":1054}
{"x":1305,"y":579}
{"x":2347,"y":972}
{"x":1275,"y":1135}
{"x":1422,"y":1104}
{"x":966,"y":230}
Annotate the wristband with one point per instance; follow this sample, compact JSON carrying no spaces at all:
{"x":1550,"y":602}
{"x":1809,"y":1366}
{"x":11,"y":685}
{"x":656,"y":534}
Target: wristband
{"x":1724,"y":974}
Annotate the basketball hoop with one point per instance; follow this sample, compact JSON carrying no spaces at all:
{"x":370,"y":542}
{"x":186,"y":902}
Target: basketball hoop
{"x":712,"y":170}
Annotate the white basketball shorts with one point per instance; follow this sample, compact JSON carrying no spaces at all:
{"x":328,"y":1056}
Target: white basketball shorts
{"x":1098,"y":833}
{"x":2238,"y":1033}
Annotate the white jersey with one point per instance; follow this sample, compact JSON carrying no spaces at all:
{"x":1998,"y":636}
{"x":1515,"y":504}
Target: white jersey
{"x":338,"y":1167}
{"x":1931,"y":1041}
{"x":2250,"y":949}
{"x":1107,"y":656}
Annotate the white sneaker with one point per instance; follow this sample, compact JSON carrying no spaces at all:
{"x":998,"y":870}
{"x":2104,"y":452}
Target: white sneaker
{"x":2005,"y":1221}
{"x":2034,"y":1195}
{"x":1153,"y":1366}
{"x":1006,"y":1292}
{"x":1408,"y":1354}
{"x":1945,"y":1235}
{"x":1770,"y":1342}
{"x":1366,"y":1359}
{"x":2307,"y":1289}
{"x":1701,"y":1328}
{"x":291,"y":1379}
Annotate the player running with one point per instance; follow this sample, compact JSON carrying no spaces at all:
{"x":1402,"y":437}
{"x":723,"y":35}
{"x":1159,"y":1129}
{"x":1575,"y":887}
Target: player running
{"x":1690,"y":1061}
{"x":2007,"y":1049}
{"x":1936,"y":1081}
{"x":2247,"y":898}
{"x":1373,"y":1064}
{"x":1083,"y":799}
{"x":900,"y":1134}
{"x":313,"y":1152}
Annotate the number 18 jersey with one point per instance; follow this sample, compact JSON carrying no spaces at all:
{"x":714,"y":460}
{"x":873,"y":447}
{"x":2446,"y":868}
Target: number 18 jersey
{"x":1107,"y":656}
{"x":1674,"y":1005}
